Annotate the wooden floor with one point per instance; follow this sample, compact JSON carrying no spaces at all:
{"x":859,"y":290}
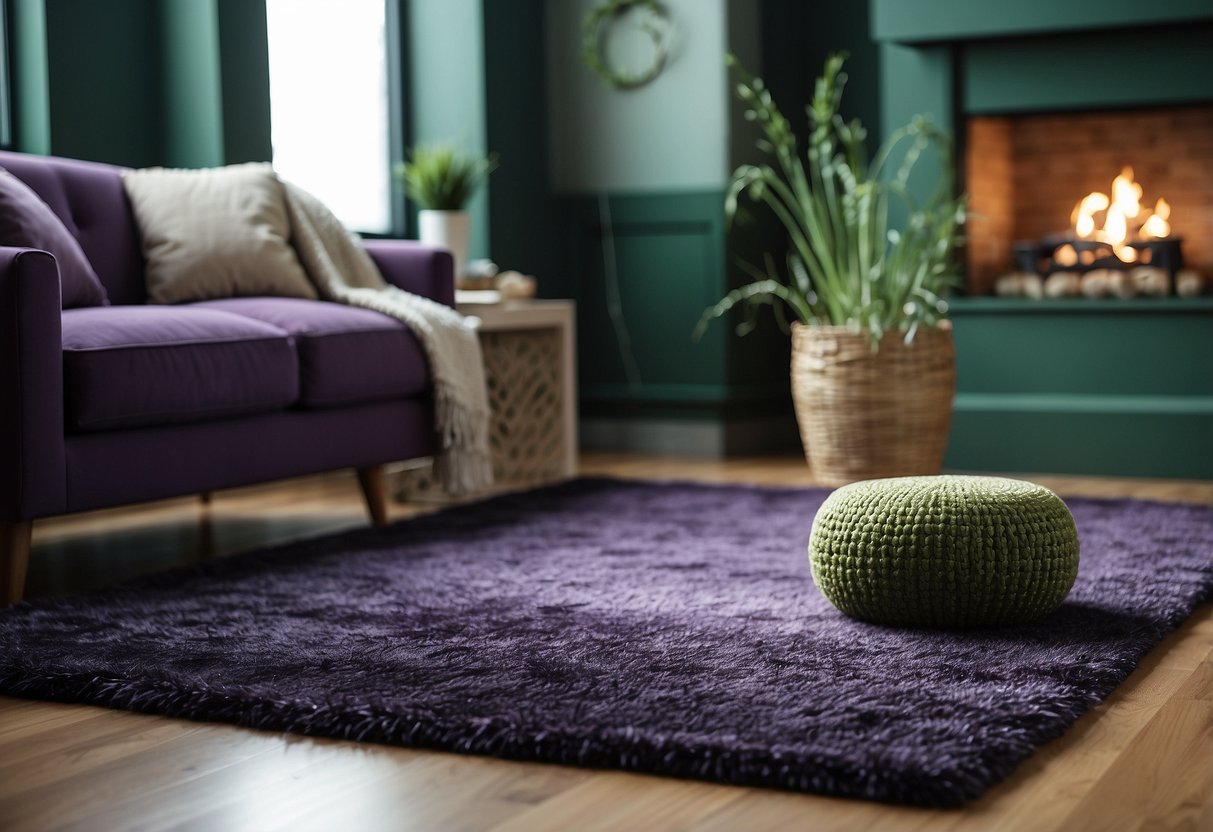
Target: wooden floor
{"x":1141,"y":760}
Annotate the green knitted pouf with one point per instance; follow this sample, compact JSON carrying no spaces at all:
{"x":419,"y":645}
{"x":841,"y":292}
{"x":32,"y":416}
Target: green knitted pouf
{"x":944,"y":551}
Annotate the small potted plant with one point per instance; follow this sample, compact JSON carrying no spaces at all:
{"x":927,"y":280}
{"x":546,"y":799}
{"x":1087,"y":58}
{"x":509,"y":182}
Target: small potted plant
{"x":873,"y":365}
{"x":442,"y":180}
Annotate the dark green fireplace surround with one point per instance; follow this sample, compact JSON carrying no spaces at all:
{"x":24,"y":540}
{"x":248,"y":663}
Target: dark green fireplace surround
{"x":1119,"y":388}
{"x":1106,"y":387}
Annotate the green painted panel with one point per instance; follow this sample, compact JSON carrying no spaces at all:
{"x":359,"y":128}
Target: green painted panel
{"x":1130,"y":351}
{"x":446,"y":81}
{"x":31,"y":79}
{"x":677,"y":392}
{"x":662,"y":291}
{"x":193,"y":113}
{"x":668,"y":252}
{"x":763,"y":355}
{"x":1114,"y":69}
{"x":744,"y":32}
{"x":796,"y":39}
{"x":670,"y":255}
{"x":104,"y":80}
{"x":1085,"y":404}
{"x":916,"y":82}
{"x":1125,"y":442}
{"x":1085,"y":387}
{"x":939,"y":20}
{"x":245,"y":81}
{"x":520,"y":199}
{"x":1078,"y":306}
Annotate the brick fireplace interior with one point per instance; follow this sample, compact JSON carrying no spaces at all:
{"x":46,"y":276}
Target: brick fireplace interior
{"x":1024,"y":174}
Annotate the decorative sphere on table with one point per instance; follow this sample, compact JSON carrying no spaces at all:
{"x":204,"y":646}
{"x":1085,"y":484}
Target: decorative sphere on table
{"x":946,"y":551}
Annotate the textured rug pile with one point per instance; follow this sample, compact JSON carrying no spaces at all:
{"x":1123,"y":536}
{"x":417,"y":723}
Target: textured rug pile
{"x":666,"y":628}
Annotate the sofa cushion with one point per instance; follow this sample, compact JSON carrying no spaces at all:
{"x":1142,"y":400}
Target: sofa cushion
{"x":347,"y":355}
{"x":215,"y":233}
{"x":130,"y":366}
{"x":28,"y":222}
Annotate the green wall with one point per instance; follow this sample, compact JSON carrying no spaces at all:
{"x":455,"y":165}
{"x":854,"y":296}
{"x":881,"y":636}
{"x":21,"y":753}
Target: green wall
{"x":520,"y":209}
{"x":640,"y":178}
{"x":192,"y":90}
{"x":446,"y":102}
{"x":30,"y":77}
{"x":142,"y":82}
{"x":244,"y":80}
{"x":1113,"y":69}
{"x":797,"y":38}
{"x":670,"y":135}
{"x":101,"y":70}
{"x":935,"y":21}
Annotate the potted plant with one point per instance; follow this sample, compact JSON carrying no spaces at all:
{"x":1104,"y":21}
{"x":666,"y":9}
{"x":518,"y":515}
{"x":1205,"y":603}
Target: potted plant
{"x":441,"y":181}
{"x":873,"y":365}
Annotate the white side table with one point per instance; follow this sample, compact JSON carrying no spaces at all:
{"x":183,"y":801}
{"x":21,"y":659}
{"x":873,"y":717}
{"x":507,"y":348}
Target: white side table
{"x":530,"y":362}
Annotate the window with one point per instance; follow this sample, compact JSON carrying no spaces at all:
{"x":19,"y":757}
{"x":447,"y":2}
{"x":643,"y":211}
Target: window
{"x":329,"y":105}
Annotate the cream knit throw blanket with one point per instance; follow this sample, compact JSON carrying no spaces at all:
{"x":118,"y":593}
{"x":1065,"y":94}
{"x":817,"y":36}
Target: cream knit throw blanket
{"x":342,"y":271}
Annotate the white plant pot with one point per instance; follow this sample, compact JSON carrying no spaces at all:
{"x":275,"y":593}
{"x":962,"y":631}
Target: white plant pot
{"x":449,"y":230}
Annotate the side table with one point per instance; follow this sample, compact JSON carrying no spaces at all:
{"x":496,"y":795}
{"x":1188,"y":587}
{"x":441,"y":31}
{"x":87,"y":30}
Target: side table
{"x":531,"y":367}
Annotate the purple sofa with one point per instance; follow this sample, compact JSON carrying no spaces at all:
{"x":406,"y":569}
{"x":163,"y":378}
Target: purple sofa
{"x":122,"y":403}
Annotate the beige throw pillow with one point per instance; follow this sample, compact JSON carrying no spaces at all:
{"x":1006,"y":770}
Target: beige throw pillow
{"x":215,"y":233}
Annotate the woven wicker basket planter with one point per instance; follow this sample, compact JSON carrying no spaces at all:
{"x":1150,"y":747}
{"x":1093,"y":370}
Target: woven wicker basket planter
{"x":865,"y":415}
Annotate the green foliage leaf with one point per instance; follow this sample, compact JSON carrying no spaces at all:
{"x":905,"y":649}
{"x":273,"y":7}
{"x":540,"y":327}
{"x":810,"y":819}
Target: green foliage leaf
{"x":441,"y":179}
{"x":845,"y":265}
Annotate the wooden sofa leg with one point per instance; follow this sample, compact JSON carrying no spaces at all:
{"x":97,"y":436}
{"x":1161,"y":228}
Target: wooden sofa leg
{"x":371,"y":480}
{"x":14,"y":559}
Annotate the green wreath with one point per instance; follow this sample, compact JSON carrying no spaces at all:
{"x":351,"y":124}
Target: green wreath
{"x":596,"y":27}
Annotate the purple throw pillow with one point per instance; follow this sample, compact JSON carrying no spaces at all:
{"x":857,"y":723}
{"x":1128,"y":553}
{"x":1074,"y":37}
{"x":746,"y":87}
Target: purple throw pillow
{"x":28,"y":222}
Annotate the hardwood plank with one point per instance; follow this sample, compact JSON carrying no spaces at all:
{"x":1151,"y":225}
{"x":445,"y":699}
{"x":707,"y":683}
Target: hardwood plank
{"x":91,"y":752}
{"x":614,"y":800}
{"x":57,"y":735}
{"x":452,"y":791}
{"x":283,"y":785}
{"x":145,"y":761}
{"x":350,"y":785}
{"x":20,"y":718}
{"x":1171,"y":791}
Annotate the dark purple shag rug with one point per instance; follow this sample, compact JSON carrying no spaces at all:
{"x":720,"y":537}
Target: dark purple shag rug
{"x":670,"y":628}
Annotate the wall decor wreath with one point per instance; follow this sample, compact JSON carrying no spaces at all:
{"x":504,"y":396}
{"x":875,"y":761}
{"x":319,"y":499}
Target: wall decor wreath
{"x":596,"y":29}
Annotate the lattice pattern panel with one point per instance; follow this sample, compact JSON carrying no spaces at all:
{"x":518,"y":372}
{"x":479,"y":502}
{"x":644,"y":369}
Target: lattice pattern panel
{"x":524,"y":372}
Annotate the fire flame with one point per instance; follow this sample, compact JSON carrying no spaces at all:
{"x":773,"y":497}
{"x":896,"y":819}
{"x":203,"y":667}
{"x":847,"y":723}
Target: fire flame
{"x":1120,"y":214}
{"x":1157,"y":225}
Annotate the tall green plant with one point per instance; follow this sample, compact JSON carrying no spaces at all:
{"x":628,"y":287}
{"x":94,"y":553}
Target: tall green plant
{"x":845,"y":265}
{"x":441,"y":179}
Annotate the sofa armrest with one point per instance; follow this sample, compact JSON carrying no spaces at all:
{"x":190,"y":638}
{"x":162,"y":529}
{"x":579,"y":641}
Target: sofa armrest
{"x":33,"y":468}
{"x":420,"y":269}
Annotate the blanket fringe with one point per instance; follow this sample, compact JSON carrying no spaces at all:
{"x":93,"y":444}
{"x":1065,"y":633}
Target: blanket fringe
{"x":343,"y":272}
{"x":464,"y":463}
